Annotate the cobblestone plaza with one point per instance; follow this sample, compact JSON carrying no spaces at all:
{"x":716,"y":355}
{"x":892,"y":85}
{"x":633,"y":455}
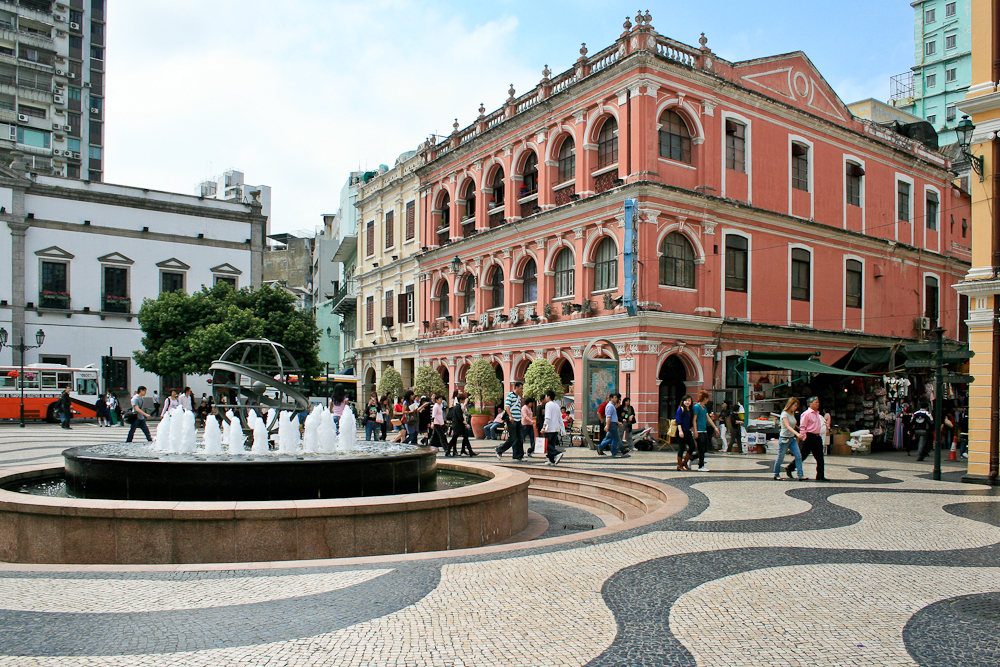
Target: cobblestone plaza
{"x":879,"y":566}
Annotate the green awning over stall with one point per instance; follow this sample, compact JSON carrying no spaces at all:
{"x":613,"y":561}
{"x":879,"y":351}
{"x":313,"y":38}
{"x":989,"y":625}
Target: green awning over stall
{"x":801,"y":362}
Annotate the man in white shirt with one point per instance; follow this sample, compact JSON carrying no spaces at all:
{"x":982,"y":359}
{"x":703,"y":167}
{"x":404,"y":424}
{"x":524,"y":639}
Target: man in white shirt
{"x":553,"y":428}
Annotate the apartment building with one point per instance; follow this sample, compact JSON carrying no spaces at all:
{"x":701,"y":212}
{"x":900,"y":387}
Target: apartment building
{"x":387,"y":273}
{"x":52,"y":97}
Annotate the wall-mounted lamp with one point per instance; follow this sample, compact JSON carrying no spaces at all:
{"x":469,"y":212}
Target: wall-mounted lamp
{"x":504,"y":318}
{"x":456,"y":265}
{"x":574,"y":197}
{"x":146,"y":229}
{"x":427,"y":325}
{"x":964,"y":132}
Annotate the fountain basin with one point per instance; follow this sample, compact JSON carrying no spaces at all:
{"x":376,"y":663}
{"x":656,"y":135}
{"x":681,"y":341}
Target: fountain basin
{"x":93,"y":472}
{"x":40,"y":529}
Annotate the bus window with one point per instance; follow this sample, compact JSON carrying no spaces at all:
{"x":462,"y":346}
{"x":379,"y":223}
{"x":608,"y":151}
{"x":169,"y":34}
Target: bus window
{"x":64,"y":380}
{"x":86,"y":387}
{"x":7,"y":382}
{"x":48,"y":380}
{"x":29,"y":380}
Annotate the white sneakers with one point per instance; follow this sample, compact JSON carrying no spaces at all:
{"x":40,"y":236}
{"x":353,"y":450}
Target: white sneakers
{"x":703,"y":469}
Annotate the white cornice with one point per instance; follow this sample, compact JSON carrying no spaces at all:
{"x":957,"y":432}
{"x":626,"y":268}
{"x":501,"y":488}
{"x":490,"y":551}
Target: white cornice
{"x":980,"y":104}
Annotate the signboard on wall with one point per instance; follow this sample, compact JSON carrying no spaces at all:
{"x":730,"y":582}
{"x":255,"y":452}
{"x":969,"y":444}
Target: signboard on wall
{"x":602,"y":379}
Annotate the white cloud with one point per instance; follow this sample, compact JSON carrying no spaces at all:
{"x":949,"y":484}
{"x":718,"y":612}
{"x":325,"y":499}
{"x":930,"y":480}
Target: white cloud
{"x":296,"y":95}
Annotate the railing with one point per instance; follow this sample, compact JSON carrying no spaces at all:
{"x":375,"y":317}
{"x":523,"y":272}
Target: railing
{"x":116,"y":304}
{"x":676,"y":51}
{"x":496,"y":217}
{"x":469,"y":227}
{"x":345,"y":300}
{"x":54,"y":300}
{"x":564,"y":82}
{"x":602,"y":61}
{"x":527,"y":102}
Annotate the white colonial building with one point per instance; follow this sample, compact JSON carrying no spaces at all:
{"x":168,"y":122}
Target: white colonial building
{"x":77,"y":259}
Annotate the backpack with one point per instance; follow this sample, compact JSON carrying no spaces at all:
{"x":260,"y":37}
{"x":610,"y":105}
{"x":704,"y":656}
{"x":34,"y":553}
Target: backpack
{"x":921,"y":421}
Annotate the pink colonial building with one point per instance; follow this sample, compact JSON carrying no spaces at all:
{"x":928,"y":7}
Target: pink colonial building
{"x":770,"y":219}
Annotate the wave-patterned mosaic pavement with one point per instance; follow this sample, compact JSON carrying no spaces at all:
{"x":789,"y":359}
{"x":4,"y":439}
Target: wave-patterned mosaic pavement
{"x":881,"y":566}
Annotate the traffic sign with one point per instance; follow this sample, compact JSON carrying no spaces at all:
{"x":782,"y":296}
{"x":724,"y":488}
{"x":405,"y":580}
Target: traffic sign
{"x":958,"y":379}
{"x":958,"y":355}
{"x":920,"y":347}
{"x":921,"y":363}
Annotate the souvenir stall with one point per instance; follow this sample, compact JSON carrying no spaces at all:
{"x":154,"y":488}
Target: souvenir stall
{"x":770,"y":379}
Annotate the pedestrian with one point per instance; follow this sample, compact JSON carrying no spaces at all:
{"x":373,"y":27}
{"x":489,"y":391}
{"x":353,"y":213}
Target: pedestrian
{"x":337,"y":403}
{"x":512,"y":414}
{"x":906,"y":423}
{"x":703,"y":429}
{"x":613,"y":436}
{"x":101,"y":411}
{"x":140,"y":416}
{"x":112,"y":403}
{"x":737,"y":418}
{"x":553,"y":427}
{"x":685,"y":424}
{"x":491,"y":429}
{"x":788,"y":439}
{"x":811,"y":442}
{"x":156,"y":402}
{"x":201,"y":413}
{"x":171,"y":403}
{"x":567,"y":420}
{"x":626,"y":415}
{"x":923,"y":429}
{"x":385,"y":412}
{"x":459,"y":428}
{"x":65,"y":408}
{"x":369,"y":419}
{"x":411,"y":417}
{"x":725,"y":424}
{"x":438,"y":437}
{"x":186,"y":399}
{"x":426,"y":419}
{"x":602,"y":429}
{"x":528,"y":425}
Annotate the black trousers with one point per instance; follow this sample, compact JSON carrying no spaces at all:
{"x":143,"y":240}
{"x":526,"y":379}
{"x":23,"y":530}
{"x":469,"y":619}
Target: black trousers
{"x":813,"y":444}
{"x":459,"y":432}
{"x":438,"y":437}
{"x":551,"y":440}
{"x":703,"y":439}
{"x":514,"y":440}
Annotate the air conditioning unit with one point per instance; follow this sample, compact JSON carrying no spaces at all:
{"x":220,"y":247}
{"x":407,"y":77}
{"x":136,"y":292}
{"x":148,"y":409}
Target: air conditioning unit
{"x":57,"y":152}
{"x":58,"y":99}
{"x":71,"y":75}
{"x":922,"y":324}
{"x":94,"y":110}
{"x":86,"y":84}
{"x":67,"y":127}
{"x":60,"y":72}
{"x":76,"y":155}
{"x":74,"y":25}
{"x":387,"y":322}
{"x":22,"y":118}
{"x":463,"y":321}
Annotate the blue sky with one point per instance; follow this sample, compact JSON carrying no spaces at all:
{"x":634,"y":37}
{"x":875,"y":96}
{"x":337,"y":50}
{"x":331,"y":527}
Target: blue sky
{"x":298,"y":93}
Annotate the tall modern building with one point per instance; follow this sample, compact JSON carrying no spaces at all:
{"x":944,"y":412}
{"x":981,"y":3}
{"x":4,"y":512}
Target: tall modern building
{"x":52,"y":56}
{"x":943,"y":65}
{"x":232,"y":186}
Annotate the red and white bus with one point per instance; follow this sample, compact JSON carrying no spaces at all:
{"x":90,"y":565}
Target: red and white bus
{"x":43,"y":384}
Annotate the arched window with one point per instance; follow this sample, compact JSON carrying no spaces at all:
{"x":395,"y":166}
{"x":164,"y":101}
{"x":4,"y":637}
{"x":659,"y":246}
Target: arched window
{"x":498,"y":188}
{"x":445,"y":210}
{"x":607,"y":143}
{"x":469,"y":287}
{"x":606,"y":265}
{"x":676,"y":261}
{"x":496,"y":281}
{"x":529,"y":185}
{"x":470,"y":200}
{"x":567,"y":160}
{"x":565,"y":273}
{"x":444,"y":303}
{"x":529,"y":285}
{"x":675,"y":139}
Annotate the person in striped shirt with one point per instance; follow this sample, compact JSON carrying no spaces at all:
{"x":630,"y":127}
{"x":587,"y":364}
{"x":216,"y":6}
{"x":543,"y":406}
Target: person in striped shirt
{"x":512,"y":407}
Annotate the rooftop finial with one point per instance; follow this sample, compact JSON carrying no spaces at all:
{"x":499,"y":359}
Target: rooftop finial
{"x":703,"y":41}
{"x":510,"y":92}
{"x":638,"y":18}
{"x":455,"y":125}
{"x":546,"y":72}
{"x":482,"y":110}
{"x":648,"y":18}
{"x":627,"y":25}
{"x":583,"y":49}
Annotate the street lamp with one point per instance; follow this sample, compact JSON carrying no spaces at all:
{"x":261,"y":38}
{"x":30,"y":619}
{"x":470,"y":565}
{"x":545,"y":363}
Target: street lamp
{"x":456,"y":265}
{"x":964,"y":131}
{"x":22,"y":348}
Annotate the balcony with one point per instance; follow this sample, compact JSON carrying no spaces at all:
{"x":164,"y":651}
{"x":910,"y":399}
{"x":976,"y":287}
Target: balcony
{"x":345,"y":301}
{"x":469,"y":227}
{"x":116,"y":304}
{"x":496,"y":217}
{"x":56,"y":300}
{"x":443,"y":235}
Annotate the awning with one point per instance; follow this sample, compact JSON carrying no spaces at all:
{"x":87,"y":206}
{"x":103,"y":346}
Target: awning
{"x":801,"y":365}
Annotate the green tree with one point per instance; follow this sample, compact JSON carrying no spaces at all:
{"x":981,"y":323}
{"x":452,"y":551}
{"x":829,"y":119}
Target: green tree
{"x":539,"y":378}
{"x":390,"y":383}
{"x":429,"y":382}
{"x":184,"y":333}
{"x":482,"y":384}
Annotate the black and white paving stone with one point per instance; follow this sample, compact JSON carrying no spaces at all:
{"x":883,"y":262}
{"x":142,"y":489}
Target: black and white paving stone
{"x":880,"y":566}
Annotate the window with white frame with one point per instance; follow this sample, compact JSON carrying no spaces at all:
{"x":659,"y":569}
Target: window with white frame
{"x":931,"y":304}
{"x":496,"y":281}
{"x":567,"y":160}
{"x":800,"y":274}
{"x":950,"y":112}
{"x":903,"y":201}
{"x":930,"y":79}
{"x":931,"y":210}
{"x":606,"y":265}
{"x":444,"y":300}
{"x":676,"y":261}
{"x":930,"y":48}
{"x":932,"y":118}
{"x":800,"y":166}
{"x":469,"y":300}
{"x":565,"y":271}
{"x":929,"y":15}
{"x":854,"y":284}
{"x":529,"y":282}
{"x":949,"y":9}
{"x":736,"y":133}
{"x":855,"y":174}
{"x":737,"y":259}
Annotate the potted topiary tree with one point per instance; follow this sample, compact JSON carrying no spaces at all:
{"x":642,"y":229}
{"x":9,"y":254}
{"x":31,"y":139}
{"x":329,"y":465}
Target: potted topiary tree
{"x":485,"y":390}
{"x":428,"y":382}
{"x":390,"y":383}
{"x":539,"y":378}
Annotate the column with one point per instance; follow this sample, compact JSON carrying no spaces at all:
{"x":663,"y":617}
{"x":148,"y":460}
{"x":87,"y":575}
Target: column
{"x":18,"y":231}
{"x":625,"y":166}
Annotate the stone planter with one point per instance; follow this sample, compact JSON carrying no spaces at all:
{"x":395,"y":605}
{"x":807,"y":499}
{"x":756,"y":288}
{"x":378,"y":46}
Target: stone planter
{"x":479,"y":423}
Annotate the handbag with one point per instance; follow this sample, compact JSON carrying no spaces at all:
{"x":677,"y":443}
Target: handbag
{"x":412,"y":419}
{"x":672,"y":429}
{"x":130,"y":417}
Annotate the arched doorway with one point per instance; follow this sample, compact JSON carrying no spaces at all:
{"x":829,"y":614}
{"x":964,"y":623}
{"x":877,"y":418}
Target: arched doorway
{"x":368,"y":387}
{"x":446,"y":378}
{"x":498,"y":369}
{"x":672,"y":376}
{"x":566,"y":374}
